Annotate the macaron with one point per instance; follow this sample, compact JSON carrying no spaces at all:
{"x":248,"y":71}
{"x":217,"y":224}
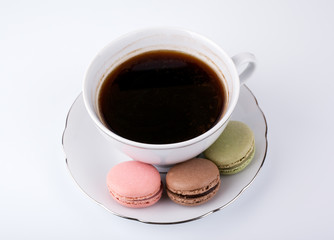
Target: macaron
{"x":193,"y":182}
{"x":234,"y":149}
{"x":134,"y":184}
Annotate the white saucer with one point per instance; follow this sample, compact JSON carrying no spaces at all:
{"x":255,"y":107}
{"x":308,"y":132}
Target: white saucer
{"x":89,"y":158}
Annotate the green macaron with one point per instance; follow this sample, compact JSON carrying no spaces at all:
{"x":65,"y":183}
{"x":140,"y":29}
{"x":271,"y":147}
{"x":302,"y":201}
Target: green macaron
{"x":234,"y":149}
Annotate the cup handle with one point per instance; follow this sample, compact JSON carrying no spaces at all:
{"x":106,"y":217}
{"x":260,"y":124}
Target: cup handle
{"x":240,"y":60}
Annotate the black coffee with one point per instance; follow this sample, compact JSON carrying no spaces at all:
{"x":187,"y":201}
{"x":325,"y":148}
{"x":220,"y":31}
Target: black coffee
{"x":161,"y":97}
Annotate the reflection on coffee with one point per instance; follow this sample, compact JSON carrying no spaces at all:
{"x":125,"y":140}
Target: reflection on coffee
{"x":161,"y":97}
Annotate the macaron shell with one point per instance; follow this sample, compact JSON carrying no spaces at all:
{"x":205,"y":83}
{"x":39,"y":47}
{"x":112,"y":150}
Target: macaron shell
{"x":192,"y":176}
{"x":230,"y":149}
{"x":134,"y":179}
{"x":134,"y":184}
{"x":193,"y":182}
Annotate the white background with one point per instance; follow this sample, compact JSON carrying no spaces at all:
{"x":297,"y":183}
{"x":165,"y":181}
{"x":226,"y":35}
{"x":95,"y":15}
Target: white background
{"x":45,"y":48}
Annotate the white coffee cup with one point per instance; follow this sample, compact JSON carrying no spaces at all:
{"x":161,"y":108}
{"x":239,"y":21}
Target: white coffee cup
{"x":194,"y":44}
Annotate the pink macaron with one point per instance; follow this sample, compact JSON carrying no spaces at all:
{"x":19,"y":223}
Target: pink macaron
{"x":134,"y":184}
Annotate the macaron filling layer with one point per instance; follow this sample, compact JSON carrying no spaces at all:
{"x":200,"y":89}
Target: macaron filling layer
{"x":137,"y":199}
{"x":187,"y":196}
{"x":247,"y":160}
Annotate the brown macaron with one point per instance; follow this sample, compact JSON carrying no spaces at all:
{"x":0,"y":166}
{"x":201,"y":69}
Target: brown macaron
{"x":193,"y":182}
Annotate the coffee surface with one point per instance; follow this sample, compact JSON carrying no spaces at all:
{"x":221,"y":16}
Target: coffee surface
{"x":161,"y":97}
